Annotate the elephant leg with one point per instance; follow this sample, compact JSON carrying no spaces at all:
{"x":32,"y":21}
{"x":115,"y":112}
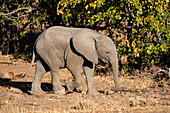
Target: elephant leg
{"x":77,"y":79}
{"x":74,"y":64}
{"x":89,"y":72}
{"x":39,"y":72}
{"x":57,"y":87}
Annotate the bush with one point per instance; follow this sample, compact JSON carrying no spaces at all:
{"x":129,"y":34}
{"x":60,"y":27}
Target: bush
{"x":139,"y":28}
{"x":22,"y":21}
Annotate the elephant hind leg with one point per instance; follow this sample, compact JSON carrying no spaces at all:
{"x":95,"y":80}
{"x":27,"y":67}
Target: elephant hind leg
{"x":39,"y":72}
{"x":57,"y":87}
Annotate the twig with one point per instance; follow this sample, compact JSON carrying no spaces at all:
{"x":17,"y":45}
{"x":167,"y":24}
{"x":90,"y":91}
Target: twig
{"x":165,"y":71}
{"x":16,"y":10}
{"x":133,"y":13}
{"x":13,"y":18}
{"x":4,"y":42}
{"x":131,"y":10}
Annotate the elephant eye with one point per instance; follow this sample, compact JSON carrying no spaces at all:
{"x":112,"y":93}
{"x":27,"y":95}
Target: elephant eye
{"x":107,"y":52}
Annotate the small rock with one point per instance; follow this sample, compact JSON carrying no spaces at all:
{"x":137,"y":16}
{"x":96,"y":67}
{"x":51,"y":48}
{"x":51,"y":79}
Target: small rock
{"x":7,"y":75}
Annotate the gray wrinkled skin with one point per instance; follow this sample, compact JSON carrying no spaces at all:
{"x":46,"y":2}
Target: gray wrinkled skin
{"x":76,"y":49}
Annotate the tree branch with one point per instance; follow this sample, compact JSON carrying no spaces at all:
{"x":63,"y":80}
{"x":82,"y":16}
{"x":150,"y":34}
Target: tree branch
{"x":4,"y":42}
{"x":129,"y":9}
{"x":16,"y":10}
{"x":13,"y":18}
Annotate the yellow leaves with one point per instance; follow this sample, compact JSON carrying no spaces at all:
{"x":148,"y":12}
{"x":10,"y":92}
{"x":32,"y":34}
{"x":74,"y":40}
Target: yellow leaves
{"x":156,"y":3}
{"x":133,"y":43}
{"x":152,"y":17}
{"x":135,"y":49}
{"x":59,"y":12}
{"x":86,"y":7}
{"x":92,"y":5}
{"x":136,"y":52}
{"x":125,"y":41}
{"x":63,"y":4}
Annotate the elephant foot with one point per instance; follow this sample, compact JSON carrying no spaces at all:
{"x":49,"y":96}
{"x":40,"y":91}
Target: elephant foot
{"x":115,"y":89}
{"x":81,"y":89}
{"x":92,"y":92}
{"x":59,"y":91}
{"x":71,"y":86}
{"x":35,"y":92}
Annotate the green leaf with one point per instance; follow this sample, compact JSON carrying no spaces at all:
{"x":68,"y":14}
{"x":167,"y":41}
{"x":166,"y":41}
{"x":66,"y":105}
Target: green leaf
{"x":152,"y":62}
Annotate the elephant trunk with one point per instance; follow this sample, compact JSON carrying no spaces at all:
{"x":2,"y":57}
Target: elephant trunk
{"x":114,"y":64}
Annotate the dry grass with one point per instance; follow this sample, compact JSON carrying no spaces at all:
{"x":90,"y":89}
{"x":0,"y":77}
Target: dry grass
{"x":137,"y":94}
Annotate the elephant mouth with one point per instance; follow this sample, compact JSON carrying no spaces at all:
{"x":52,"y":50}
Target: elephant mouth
{"x":105,"y":61}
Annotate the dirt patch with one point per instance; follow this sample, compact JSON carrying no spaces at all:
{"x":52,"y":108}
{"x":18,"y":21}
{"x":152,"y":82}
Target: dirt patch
{"x":137,"y":93}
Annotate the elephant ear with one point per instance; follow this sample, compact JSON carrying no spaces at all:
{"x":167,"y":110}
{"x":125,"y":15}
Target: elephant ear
{"x":84,"y":43}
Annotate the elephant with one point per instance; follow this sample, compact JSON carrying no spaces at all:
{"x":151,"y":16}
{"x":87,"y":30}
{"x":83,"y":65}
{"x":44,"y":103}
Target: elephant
{"x":78,"y":49}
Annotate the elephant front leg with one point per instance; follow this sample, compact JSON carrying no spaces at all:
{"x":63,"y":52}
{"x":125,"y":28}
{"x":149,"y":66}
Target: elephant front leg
{"x":77,"y":82}
{"x":78,"y":79}
{"x":57,"y":87}
{"x":89,"y":72}
{"x":74,"y":64}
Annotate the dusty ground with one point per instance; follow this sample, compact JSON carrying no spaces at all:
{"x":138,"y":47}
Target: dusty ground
{"x":138,"y":94}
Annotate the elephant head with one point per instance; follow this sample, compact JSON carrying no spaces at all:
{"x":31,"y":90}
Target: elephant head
{"x":94,"y":46}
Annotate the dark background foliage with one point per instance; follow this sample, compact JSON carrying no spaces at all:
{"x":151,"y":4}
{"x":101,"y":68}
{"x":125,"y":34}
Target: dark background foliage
{"x":139,"y":28}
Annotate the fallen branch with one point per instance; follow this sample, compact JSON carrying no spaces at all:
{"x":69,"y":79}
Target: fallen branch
{"x":165,"y":71}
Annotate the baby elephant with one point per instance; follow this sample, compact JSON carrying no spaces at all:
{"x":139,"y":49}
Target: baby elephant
{"x":76,"y":49}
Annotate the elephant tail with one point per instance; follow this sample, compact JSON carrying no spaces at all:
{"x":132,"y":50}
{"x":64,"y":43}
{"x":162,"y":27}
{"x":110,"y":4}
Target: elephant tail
{"x":33,"y":59}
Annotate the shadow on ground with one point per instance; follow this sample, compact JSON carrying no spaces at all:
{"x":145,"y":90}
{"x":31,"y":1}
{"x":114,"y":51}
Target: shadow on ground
{"x":25,"y":87}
